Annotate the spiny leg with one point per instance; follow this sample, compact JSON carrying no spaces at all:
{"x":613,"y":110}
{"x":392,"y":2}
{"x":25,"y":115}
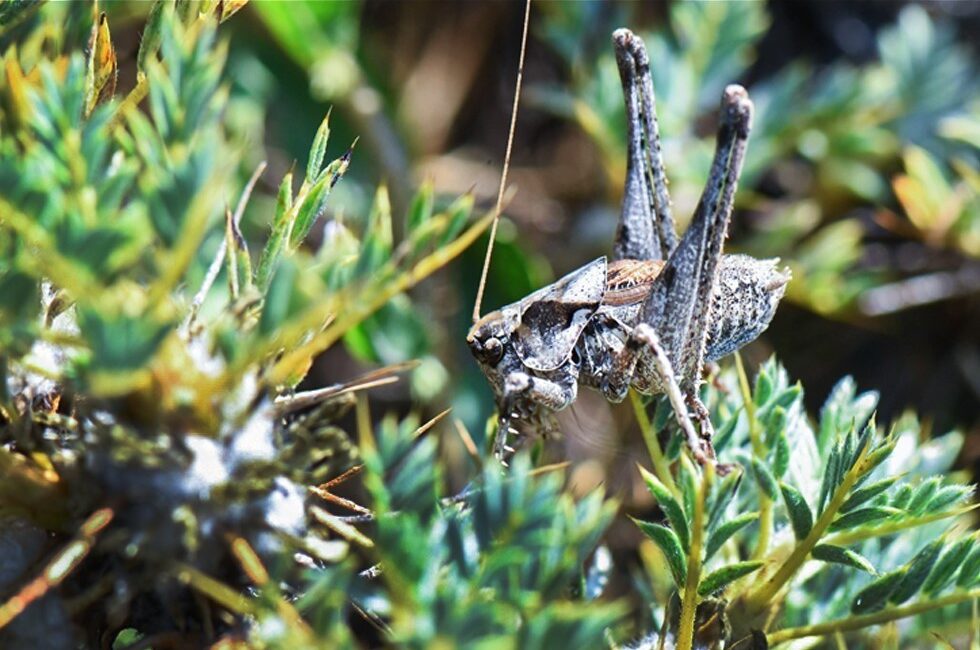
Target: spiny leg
{"x":646,"y":227}
{"x":679,"y":303}
{"x":646,"y":336}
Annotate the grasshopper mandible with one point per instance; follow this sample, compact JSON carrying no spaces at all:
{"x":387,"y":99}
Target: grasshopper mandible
{"x":650,"y":318}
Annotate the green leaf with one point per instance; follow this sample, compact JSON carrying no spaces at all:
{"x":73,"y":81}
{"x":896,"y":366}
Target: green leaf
{"x":863,"y":516}
{"x":763,"y":388}
{"x":781,"y":457}
{"x":150,"y":41}
{"x":923,"y":495}
{"x":841,"y":555}
{"x":800,"y":515}
{"x":867,"y":493}
{"x":687,"y":481}
{"x":875,"y":595}
{"x":947,"y":565}
{"x":420,"y":212}
{"x":722,"y":495}
{"x":280,"y":227}
{"x":318,"y":150}
{"x":829,"y":483}
{"x":275,"y":309}
{"x":309,"y":211}
{"x":767,"y":482}
{"x":947,"y":496}
{"x":376,"y":246}
{"x":459,"y":213}
{"x":902,"y":496}
{"x":671,"y":507}
{"x":668,"y":543}
{"x":970,"y":573}
{"x":721,"y":578}
{"x":916,"y":571}
{"x":720,"y":535}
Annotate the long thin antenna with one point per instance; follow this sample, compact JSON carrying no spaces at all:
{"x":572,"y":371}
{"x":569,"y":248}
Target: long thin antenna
{"x":503,"y":175}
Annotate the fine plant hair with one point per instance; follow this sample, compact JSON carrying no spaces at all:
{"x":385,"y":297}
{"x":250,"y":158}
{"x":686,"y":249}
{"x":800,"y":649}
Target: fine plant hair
{"x":165,"y":480}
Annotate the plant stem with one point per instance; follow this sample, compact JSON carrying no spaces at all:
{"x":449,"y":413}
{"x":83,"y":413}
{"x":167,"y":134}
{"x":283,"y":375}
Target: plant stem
{"x":866,"y":620}
{"x":759,"y":451}
{"x":689,"y":604}
{"x":861,"y":534}
{"x":661,"y":466}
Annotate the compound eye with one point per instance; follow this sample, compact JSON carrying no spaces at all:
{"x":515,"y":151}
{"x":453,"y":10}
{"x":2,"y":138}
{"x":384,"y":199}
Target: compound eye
{"x":493,"y":351}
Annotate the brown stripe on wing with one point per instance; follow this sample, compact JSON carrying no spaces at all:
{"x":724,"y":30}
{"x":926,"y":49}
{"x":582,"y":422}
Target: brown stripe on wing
{"x":628,"y":281}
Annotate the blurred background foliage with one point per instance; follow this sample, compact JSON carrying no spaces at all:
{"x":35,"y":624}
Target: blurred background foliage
{"x":862,"y":175}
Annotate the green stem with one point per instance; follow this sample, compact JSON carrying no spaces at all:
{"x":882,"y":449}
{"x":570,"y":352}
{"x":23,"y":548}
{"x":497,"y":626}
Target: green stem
{"x":132,"y":100}
{"x":689,"y":604}
{"x":866,"y":620}
{"x":861,"y":534}
{"x":661,"y":466}
{"x":759,"y":451}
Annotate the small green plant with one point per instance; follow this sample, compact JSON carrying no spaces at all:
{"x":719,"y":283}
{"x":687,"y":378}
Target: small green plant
{"x":822,"y":530}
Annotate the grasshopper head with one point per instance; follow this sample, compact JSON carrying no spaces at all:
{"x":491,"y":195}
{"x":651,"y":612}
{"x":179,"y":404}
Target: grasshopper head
{"x":491,"y":342}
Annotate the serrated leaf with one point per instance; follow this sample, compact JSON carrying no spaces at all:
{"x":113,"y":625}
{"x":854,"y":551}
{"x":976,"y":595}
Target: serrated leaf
{"x":318,"y":150}
{"x":720,"y":535}
{"x":767,"y":482}
{"x":875,"y":595}
{"x":800,"y":515}
{"x":841,"y":555}
{"x":668,"y":543}
{"x":947,"y":565}
{"x":916,"y":571}
{"x":863,"y":516}
{"x":867,"y":493}
{"x":671,"y":507}
{"x":721,"y":578}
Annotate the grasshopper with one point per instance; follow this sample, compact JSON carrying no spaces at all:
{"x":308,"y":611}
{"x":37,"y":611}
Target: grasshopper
{"x":650,"y":317}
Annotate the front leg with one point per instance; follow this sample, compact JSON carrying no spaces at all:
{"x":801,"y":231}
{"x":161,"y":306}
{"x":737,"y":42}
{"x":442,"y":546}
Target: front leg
{"x":522,"y":387}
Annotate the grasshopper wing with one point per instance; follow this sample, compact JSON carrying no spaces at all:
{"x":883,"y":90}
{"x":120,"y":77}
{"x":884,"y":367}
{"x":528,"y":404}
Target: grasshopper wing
{"x":553,"y":318}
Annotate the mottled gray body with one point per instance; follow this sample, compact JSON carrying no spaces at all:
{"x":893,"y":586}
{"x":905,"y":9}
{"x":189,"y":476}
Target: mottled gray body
{"x":650,"y":318}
